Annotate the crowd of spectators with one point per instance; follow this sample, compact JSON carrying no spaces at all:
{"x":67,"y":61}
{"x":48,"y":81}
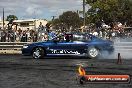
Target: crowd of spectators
{"x":18,"y":36}
{"x":118,"y":32}
{"x":42,"y":34}
{"x":114,"y":35}
{"x":28,"y":35}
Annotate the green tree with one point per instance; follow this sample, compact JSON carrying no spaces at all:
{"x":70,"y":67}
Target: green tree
{"x":13,"y":17}
{"x":56,"y":23}
{"x":110,"y":10}
{"x":70,"y":19}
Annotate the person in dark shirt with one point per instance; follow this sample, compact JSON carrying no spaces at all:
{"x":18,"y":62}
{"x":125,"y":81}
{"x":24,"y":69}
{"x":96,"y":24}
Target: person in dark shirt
{"x":35,"y":36}
{"x":12,"y":36}
{"x":3,"y":36}
{"x":24,"y":37}
{"x":67,"y":38}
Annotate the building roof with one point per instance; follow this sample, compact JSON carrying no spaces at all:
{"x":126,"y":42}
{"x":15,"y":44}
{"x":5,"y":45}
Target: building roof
{"x":27,"y":20}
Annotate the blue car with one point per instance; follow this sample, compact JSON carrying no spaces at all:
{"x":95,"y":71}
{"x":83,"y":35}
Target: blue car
{"x":69,"y":45}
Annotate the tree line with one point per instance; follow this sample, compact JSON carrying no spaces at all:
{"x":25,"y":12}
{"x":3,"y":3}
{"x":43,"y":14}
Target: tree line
{"x":110,"y":11}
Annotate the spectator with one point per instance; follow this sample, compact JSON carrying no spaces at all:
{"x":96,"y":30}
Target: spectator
{"x":35,"y":36}
{"x":113,"y":34}
{"x":41,"y":27}
{"x":3,"y":36}
{"x":24,"y":37}
{"x":45,"y":37}
{"x":109,"y":34}
{"x":19,"y":34}
{"x":105,"y":34}
{"x":11,"y":36}
{"x":100,"y":34}
{"x":95,"y":33}
{"x":28,"y":34}
{"x":51,"y":35}
{"x":15,"y":35}
{"x":31,"y":34}
{"x":19,"y":31}
{"x":0,"y":35}
{"x":67,"y":38}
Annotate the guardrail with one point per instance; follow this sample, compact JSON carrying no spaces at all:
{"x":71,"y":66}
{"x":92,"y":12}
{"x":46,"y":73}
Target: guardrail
{"x":11,"y":47}
{"x":15,"y":47}
{"x":13,"y":43}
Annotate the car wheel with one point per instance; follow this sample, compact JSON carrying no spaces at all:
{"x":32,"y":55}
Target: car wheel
{"x":38,"y":53}
{"x":93,"y":52}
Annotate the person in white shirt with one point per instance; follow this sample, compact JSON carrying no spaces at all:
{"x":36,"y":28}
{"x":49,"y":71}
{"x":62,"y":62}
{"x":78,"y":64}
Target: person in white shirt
{"x":95,"y":33}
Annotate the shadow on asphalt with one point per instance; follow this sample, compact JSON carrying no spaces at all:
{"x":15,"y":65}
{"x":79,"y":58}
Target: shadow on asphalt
{"x":48,"y":57}
{"x":68,"y":57}
{"x":19,"y":56}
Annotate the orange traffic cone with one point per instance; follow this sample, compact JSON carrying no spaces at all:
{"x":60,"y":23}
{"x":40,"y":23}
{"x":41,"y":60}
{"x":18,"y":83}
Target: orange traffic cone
{"x":119,"y":61}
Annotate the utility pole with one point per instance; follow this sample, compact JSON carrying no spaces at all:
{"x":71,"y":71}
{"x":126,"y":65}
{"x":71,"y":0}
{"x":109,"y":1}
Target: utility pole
{"x":53,"y":17}
{"x":77,"y":12}
{"x":83,"y":15}
{"x":34,"y":13}
{"x":3,"y":18}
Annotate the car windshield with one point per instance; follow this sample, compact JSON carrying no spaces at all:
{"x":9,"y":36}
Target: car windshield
{"x":81,"y":37}
{"x":73,"y":37}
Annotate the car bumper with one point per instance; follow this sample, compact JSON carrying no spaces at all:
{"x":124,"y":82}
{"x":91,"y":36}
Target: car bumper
{"x":26,"y":52}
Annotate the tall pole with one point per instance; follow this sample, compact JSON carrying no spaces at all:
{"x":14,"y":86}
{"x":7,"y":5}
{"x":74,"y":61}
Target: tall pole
{"x":53,"y":17}
{"x":83,"y":15}
{"x":3,"y":19}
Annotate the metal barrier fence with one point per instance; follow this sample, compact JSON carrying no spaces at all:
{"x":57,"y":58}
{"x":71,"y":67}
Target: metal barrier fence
{"x":11,"y":47}
{"x":15,"y":47}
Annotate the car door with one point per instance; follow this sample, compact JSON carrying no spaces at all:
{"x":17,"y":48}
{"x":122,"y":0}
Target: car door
{"x":78,"y":47}
{"x":80,"y":43}
{"x":59,"y":47}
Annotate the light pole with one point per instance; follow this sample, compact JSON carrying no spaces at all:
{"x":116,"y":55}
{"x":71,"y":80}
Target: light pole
{"x":53,"y":17}
{"x":3,"y":18}
{"x":83,"y":15}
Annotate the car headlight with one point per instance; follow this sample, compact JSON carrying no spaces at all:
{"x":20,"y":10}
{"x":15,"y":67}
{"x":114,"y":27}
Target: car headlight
{"x":25,"y":46}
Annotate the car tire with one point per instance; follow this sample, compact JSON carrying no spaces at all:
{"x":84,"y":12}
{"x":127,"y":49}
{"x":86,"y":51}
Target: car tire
{"x":93,"y":53}
{"x":38,"y":53}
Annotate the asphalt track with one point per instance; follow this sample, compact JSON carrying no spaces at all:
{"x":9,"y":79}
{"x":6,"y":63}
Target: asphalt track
{"x":18,"y":71}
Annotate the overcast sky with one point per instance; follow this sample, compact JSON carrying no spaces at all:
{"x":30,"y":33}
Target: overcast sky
{"x":26,"y":9}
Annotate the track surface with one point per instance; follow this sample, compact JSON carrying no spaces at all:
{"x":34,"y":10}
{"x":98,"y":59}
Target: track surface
{"x":18,"y":71}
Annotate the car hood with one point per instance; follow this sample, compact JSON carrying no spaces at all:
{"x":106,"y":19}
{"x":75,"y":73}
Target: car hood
{"x":39,"y":43}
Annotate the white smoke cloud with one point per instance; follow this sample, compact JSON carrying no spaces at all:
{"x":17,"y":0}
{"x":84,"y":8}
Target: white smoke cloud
{"x":124,"y":48}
